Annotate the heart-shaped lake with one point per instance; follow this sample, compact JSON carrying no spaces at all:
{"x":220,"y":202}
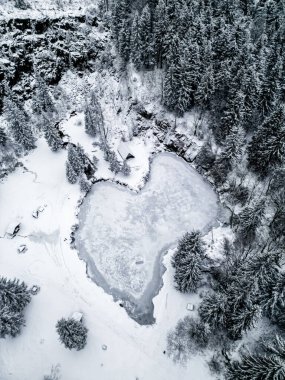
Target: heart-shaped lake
{"x":122,"y":235}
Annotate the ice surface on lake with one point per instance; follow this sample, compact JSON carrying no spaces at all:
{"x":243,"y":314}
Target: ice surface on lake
{"x":123,"y":234}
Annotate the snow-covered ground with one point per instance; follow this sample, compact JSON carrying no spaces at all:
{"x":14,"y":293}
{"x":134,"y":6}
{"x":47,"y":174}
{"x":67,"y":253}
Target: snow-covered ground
{"x":40,"y":8}
{"x":133,"y":351}
{"x":122,"y":234}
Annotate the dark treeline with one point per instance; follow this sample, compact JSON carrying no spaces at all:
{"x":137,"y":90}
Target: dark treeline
{"x":226,"y":57}
{"x":226,"y":60}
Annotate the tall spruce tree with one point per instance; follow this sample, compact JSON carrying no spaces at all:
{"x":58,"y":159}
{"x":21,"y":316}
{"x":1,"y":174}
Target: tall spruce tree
{"x":93,"y":116}
{"x":267,"y":148}
{"x":188,"y":262}
{"x":18,"y":122}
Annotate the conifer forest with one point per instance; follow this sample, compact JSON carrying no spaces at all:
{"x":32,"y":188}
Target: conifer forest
{"x":142,"y":189}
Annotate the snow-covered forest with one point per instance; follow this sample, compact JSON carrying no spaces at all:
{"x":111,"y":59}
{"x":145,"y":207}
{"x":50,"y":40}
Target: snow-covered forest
{"x":142,"y":189}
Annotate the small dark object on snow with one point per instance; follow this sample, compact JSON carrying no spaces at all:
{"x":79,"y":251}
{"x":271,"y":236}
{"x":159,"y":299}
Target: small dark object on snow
{"x":13,"y":229}
{"x":22,"y":249}
{"x":104,"y":347}
{"x":35,"y":290}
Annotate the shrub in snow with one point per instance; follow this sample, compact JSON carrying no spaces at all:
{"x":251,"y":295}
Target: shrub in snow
{"x":54,"y":374}
{"x":188,"y":261}
{"x":72,"y":334}
{"x":125,"y":169}
{"x":14,"y":297}
{"x":3,"y":137}
{"x":85,"y":185}
{"x":111,"y":157}
{"x":188,"y":336}
{"x":205,"y":158}
{"x":21,"y":4}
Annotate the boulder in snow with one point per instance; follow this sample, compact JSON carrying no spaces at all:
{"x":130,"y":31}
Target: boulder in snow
{"x":77,"y":316}
{"x":22,"y":249}
{"x":12,"y":229}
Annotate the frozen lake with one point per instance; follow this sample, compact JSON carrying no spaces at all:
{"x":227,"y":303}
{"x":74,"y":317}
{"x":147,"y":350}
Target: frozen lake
{"x":123,"y":235}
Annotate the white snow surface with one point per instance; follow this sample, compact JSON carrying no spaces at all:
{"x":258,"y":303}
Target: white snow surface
{"x":122,"y":234}
{"x":134,"y":351}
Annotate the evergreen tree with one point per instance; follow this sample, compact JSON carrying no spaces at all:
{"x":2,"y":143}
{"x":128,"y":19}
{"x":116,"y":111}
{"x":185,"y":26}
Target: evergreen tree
{"x":267,"y":148}
{"x":84,"y":185}
{"x":159,"y":28}
{"x":212,"y":310}
{"x":14,"y":294}
{"x":70,"y":173}
{"x":14,"y":297}
{"x":11,"y":322}
{"x":124,"y":41}
{"x":114,"y":164}
{"x":94,"y":121}
{"x":188,"y":262}
{"x":135,"y":42}
{"x":72,"y":334}
{"x":42,"y":101}
{"x":250,"y":218}
{"x":3,"y":137}
{"x":18,"y":122}
{"x":76,"y":161}
{"x":256,"y":367}
{"x":146,"y":40}
{"x":125,"y":169}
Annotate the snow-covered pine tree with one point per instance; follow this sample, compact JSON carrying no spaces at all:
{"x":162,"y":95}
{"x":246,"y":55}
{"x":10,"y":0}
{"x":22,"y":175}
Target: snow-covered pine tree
{"x":267,"y":147}
{"x":93,"y":116}
{"x":76,"y":161}
{"x":241,"y":319}
{"x":42,"y":100}
{"x":146,"y":39}
{"x":72,"y":333}
{"x":277,"y":224}
{"x":188,"y":262}
{"x":84,"y":184}
{"x":249,"y":219}
{"x":212,"y":310}
{"x":53,"y":138}
{"x":14,"y":294}
{"x":272,"y":297}
{"x":21,"y":4}
{"x":124,"y":38}
{"x":256,"y":367}
{"x":3,"y":137}
{"x":232,"y":115}
{"x":18,"y":122}
{"x":114,"y":164}
{"x":11,"y":322}
{"x":135,"y":42}
{"x":125,"y":169}
{"x":159,"y":30}
{"x":70,"y":173}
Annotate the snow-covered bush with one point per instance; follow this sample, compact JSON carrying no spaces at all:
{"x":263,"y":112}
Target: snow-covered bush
{"x":72,"y":333}
{"x":189,"y":336}
{"x":85,"y":185}
{"x":125,"y":169}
